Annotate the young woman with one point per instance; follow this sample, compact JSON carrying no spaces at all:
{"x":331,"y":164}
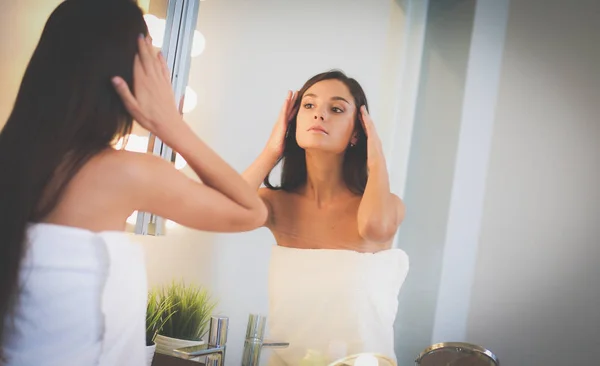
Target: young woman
{"x":72,"y":285}
{"x":334,"y":280}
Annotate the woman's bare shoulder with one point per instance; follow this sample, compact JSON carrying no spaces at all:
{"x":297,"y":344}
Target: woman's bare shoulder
{"x":277,"y":196}
{"x":127,"y":164}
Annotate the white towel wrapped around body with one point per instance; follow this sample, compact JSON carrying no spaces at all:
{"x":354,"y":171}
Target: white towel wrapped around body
{"x":82,"y":300}
{"x":333,"y":301}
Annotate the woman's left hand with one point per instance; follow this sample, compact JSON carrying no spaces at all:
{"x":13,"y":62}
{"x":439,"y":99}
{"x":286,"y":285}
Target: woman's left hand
{"x":374,"y":148}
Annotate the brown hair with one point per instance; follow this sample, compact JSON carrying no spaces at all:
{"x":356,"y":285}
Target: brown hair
{"x":65,"y":112}
{"x":293,"y":174}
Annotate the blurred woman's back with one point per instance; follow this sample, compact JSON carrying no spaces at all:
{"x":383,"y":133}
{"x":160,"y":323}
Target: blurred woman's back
{"x":66,"y":268}
{"x":66,"y":112}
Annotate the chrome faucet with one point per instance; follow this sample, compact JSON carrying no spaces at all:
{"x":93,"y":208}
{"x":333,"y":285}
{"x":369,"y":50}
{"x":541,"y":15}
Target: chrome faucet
{"x":254,"y":342}
{"x":214,"y":349}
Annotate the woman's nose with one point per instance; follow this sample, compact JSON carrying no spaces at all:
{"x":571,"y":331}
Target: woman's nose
{"x":319,"y":115}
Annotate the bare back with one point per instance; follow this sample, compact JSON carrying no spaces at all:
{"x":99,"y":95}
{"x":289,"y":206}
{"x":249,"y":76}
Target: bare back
{"x":115,"y":183}
{"x":99,"y":197}
{"x":297,"y":222}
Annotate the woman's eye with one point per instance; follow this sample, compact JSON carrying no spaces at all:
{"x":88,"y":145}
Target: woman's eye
{"x":337,"y":110}
{"x":308,"y":106}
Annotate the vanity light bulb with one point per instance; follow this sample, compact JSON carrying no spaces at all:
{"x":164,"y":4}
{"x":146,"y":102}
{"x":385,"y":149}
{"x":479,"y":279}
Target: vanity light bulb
{"x":156,"y":28}
{"x":137,"y":143}
{"x":198,"y":44}
{"x":180,"y":162}
{"x":132,"y":219}
{"x":119,"y":144}
{"x":190,"y":101}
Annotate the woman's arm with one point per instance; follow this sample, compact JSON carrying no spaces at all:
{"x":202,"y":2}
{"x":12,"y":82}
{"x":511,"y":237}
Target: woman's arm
{"x":224,"y":197}
{"x":380,"y":212}
{"x":264,"y":163}
{"x":258,"y":170}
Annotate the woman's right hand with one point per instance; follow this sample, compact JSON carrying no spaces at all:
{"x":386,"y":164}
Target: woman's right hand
{"x":153,"y":105}
{"x":276,"y":142}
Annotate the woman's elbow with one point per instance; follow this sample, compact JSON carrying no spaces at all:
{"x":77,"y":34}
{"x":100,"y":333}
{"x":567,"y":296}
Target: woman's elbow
{"x":377,"y":231}
{"x":252,"y":218}
{"x":261,"y":215}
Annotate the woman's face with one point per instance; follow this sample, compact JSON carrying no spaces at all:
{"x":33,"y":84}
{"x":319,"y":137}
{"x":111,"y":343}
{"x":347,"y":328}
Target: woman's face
{"x":326,"y":117}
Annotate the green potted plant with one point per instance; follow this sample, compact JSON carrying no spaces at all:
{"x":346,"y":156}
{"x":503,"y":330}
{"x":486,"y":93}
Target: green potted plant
{"x":157,"y":313}
{"x":190,"y":308}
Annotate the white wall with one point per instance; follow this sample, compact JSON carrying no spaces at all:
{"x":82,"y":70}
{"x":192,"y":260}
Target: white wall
{"x":532,"y":297}
{"x":470,"y":169}
{"x":256,"y":51}
{"x":536,"y":292}
{"x":431,"y":170}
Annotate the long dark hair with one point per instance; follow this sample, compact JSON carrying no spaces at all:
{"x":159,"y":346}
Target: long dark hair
{"x":65,"y":112}
{"x":354,"y":170}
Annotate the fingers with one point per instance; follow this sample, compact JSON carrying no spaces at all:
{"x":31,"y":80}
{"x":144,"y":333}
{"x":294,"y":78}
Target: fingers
{"x":292,"y":102}
{"x":145,"y":52}
{"x":164,"y":68}
{"x":285,"y":106}
{"x":127,"y":97}
{"x":181,"y":102}
{"x":366,"y":120}
{"x":158,"y":68}
{"x":365,"y":115}
{"x":291,"y":106}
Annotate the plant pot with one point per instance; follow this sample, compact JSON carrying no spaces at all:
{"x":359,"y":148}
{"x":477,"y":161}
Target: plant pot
{"x":150,"y":354}
{"x":166,"y":345}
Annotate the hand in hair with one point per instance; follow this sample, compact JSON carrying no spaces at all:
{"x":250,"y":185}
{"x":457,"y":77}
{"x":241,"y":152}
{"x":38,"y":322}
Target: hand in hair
{"x":380,"y":212}
{"x":374,"y":147}
{"x":276,"y":141}
{"x":153,"y":105}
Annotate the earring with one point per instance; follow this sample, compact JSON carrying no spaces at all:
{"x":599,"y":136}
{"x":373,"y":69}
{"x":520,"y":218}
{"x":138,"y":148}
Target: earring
{"x":352,"y":144}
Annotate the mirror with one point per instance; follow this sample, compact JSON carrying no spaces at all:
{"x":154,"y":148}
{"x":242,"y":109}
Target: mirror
{"x":457,"y":353}
{"x":254,"y":53}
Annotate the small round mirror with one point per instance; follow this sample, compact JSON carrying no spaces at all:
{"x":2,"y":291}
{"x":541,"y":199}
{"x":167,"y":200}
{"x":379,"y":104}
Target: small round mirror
{"x":365,"y":359}
{"x":457,"y":354}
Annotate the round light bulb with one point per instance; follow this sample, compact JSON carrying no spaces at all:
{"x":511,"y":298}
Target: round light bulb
{"x":180,"y":162}
{"x":190,"y":101}
{"x":132,"y":219}
{"x":198,"y":43}
{"x":156,"y":28}
{"x":119,"y":144}
{"x":137,"y":143}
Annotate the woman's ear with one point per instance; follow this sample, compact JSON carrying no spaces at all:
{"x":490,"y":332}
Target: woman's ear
{"x":354,"y":138}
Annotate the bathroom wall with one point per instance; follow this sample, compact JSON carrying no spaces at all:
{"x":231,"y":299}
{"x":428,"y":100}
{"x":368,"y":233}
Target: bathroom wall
{"x":536,"y":291}
{"x":510,"y":265}
{"x":21,"y":23}
{"x":431,"y":167}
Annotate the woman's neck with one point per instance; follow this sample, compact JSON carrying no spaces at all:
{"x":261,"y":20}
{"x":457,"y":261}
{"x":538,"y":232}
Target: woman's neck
{"x":324,"y":177}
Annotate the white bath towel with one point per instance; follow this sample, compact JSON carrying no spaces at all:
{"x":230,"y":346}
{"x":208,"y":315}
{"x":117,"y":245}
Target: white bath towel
{"x":82,"y":300}
{"x":334,"y":302}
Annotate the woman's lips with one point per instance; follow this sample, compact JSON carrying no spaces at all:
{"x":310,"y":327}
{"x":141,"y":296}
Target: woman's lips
{"x":318,"y":129}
